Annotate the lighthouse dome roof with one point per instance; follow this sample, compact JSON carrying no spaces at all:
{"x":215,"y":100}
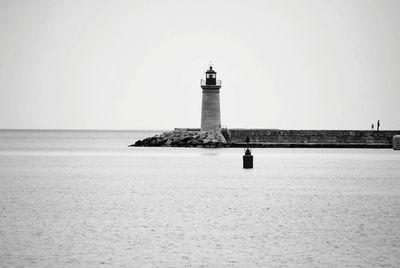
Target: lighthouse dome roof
{"x":210,"y":70}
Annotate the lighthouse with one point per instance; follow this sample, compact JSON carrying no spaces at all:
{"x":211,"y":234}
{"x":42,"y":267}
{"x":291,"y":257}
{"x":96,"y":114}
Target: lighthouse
{"x":210,"y":107}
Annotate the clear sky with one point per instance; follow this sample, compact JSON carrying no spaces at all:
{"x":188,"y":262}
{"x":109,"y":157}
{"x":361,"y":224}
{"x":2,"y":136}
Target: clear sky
{"x":137,"y":64}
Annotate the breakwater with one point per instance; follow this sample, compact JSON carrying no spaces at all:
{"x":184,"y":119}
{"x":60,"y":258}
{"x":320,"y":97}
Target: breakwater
{"x":185,"y":137}
{"x":313,"y":138}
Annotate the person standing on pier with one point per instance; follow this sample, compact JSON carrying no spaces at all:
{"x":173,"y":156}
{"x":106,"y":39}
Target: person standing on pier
{"x":372,"y":126}
{"x":378,"y":124}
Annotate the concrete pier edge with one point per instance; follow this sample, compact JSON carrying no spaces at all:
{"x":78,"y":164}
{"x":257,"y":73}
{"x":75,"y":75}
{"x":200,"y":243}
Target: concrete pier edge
{"x":267,"y":138}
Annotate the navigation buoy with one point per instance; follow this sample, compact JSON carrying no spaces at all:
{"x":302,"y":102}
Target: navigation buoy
{"x":247,"y":157}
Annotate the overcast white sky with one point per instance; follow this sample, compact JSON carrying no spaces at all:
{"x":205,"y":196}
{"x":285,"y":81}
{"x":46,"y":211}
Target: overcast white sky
{"x":137,"y":64}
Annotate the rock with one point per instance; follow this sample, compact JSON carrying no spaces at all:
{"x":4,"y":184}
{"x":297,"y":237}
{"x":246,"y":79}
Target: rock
{"x":152,"y":142}
{"x":175,"y":142}
{"x":187,"y":138}
{"x":196,"y":142}
{"x":160,"y":141}
{"x":139,"y":143}
{"x":202,"y":134}
{"x":206,"y":141}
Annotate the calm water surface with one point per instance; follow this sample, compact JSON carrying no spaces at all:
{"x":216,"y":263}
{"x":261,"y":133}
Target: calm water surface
{"x":83,"y":198}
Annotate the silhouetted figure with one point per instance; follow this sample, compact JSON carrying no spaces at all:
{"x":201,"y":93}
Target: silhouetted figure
{"x":378,"y":124}
{"x":372,"y":126}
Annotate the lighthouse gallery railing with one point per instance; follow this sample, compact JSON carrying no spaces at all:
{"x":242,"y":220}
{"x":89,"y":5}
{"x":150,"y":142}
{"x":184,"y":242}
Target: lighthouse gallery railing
{"x":203,"y":82}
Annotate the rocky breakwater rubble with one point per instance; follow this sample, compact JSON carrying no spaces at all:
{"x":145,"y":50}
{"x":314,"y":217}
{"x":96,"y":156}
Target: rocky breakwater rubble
{"x":184,"y":138}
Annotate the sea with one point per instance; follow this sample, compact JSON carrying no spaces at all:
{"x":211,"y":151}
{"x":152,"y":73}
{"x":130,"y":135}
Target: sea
{"x":72,"y":198}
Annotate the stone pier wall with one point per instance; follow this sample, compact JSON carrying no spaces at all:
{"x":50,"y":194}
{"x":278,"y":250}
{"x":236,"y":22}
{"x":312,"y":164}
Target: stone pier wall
{"x":313,"y":138}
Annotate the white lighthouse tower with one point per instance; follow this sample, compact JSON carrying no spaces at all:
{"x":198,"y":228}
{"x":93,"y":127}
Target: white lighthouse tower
{"x":210,"y":106}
